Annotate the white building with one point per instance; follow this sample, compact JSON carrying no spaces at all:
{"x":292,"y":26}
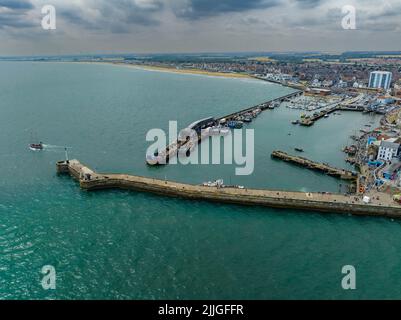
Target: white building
{"x":388,"y":150}
{"x":380,"y":79}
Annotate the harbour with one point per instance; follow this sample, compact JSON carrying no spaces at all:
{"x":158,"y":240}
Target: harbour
{"x":193,"y":150}
{"x":110,"y":234}
{"x":232,"y":120}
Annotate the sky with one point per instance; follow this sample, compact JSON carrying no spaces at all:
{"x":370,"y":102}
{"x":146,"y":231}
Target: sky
{"x":174,"y":26}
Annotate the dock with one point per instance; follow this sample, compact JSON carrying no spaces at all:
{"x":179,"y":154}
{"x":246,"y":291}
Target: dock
{"x":311,"y":120}
{"x":321,"y":202}
{"x":317,"y":166}
{"x":172,"y":149}
{"x":350,"y":105}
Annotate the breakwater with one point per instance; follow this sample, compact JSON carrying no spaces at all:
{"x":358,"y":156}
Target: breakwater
{"x":322,"y":202}
{"x":317,"y":166}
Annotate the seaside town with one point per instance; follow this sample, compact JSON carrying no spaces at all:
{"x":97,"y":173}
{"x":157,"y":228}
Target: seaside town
{"x":324,"y":86}
{"x":367,"y":84}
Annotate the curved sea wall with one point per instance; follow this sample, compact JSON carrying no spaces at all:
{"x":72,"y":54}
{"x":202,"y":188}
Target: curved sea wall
{"x":321,"y":202}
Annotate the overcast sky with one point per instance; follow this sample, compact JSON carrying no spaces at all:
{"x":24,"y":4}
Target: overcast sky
{"x":145,"y":26}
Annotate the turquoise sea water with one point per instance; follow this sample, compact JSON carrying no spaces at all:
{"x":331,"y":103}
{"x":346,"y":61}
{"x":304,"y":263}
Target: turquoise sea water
{"x":128,"y":245}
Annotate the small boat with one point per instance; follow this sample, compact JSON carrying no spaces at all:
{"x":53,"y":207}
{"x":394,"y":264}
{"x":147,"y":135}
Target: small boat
{"x":326,"y":115}
{"x":295,"y":122}
{"x":299,"y":149}
{"x":36,"y":146}
{"x":239,"y":125}
{"x":218,"y":183}
{"x":231,"y":124}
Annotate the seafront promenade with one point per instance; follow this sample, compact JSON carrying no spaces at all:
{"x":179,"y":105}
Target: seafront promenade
{"x":307,"y":201}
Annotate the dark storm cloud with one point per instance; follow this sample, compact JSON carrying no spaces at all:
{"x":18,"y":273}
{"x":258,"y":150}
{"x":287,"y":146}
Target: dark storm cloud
{"x":196,"y":9}
{"x":16,"y":4}
{"x":117,"y":17}
{"x":15,"y":15}
{"x":14,"y":22}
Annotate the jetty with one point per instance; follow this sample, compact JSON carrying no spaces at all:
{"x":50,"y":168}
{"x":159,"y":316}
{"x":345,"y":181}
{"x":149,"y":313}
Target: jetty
{"x":262,"y":106}
{"x":317,"y":166}
{"x":312,"y":119}
{"x":307,"y":201}
{"x":172,"y":150}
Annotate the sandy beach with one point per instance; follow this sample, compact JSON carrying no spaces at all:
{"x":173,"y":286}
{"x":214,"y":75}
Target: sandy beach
{"x":173,"y":70}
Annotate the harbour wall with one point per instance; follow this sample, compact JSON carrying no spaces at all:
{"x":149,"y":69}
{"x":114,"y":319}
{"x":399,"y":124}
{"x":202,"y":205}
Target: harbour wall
{"x":321,"y":202}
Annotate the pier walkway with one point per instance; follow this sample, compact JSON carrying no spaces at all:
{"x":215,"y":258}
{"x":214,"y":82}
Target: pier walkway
{"x":322,"y":202}
{"x":262,"y":106}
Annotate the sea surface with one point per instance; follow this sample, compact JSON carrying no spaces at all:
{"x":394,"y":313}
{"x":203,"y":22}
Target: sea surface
{"x":129,"y":245}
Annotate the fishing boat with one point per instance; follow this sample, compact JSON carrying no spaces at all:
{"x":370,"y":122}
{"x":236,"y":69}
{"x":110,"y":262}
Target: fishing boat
{"x":36,"y":146}
{"x":299,"y":149}
{"x":231,"y":124}
{"x":235,"y":124}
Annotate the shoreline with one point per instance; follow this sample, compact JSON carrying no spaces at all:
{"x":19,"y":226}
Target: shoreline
{"x":173,"y":70}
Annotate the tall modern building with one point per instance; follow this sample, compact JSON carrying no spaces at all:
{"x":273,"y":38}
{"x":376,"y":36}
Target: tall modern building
{"x":380,"y":79}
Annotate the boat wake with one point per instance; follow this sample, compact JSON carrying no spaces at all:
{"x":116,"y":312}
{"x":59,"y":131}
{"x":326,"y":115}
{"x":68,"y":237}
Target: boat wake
{"x":50,"y":146}
{"x":47,"y":147}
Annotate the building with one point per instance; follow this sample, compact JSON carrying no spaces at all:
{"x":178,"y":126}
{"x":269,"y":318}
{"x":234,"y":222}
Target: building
{"x":380,"y":79}
{"x":388,"y":150}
